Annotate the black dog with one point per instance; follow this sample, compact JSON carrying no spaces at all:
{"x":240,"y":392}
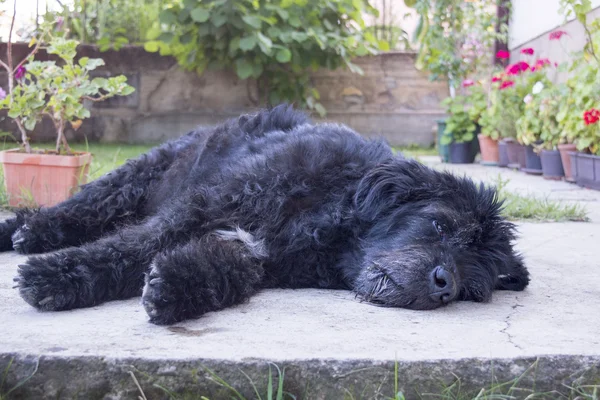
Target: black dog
{"x":267,"y":200}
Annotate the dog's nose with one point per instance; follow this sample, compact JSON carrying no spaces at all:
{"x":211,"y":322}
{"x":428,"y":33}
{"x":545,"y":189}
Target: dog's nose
{"x":442,"y":285}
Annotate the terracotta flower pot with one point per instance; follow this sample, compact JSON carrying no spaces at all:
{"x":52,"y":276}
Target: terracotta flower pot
{"x":552,"y":166}
{"x":565,"y":150}
{"x":45,"y":179}
{"x":489,"y":150}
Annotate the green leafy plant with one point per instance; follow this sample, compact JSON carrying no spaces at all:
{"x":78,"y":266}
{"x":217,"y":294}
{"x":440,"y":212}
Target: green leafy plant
{"x":460,"y":127}
{"x":276,"y":42}
{"x":46,"y":89}
{"x":454,"y":38}
{"x":584,"y":82}
{"x":96,"y":22}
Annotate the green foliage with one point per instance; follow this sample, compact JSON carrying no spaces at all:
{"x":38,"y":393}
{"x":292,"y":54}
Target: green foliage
{"x":59,"y":91}
{"x":460,"y":127}
{"x":477,"y":98}
{"x":276,"y":42}
{"x":454,"y":37}
{"x":96,"y":22}
{"x":584,"y":82}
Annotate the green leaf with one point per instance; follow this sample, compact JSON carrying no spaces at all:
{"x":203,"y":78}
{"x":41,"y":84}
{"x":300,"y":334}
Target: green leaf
{"x":252,"y":20}
{"x":243,"y":68}
{"x":320,"y":109}
{"x":166,"y":37}
{"x":247,"y":43}
{"x":200,"y":14}
{"x":151,"y":46}
{"x":167,"y":17}
{"x":218,"y":19}
{"x":284,"y":55}
{"x":83,"y":61}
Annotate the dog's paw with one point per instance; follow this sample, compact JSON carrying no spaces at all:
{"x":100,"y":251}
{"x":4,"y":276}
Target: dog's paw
{"x":30,"y":240}
{"x":51,"y":284}
{"x":160,"y":299}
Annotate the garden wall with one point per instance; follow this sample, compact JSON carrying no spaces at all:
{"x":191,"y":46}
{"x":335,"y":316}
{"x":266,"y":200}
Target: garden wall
{"x":392,"y":99}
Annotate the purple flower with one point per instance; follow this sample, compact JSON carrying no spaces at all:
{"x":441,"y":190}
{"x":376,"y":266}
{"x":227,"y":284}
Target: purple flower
{"x":20,"y":72}
{"x":2,"y":93}
{"x":59,"y":23}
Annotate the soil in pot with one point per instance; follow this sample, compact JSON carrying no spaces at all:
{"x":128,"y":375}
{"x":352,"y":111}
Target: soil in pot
{"x":503,"y":159}
{"x":489,"y":150}
{"x":552,"y":167}
{"x":42,"y":179}
{"x":461,"y":153}
{"x":565,"y":150}
{"x":533,"y":162}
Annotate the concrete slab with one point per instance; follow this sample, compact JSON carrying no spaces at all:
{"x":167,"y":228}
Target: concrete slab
{"x":327,"y":339}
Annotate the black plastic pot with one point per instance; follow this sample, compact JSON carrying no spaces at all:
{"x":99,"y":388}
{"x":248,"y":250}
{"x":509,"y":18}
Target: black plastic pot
{"x":461,"y":153}
{"x":443,"y":149}
{"x":533,"y":162}
{"x":586,"y":170}
{"x":552,"y":167}
{"x":503,"y":159}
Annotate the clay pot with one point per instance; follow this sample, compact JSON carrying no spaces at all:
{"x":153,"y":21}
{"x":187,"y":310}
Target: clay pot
{"x":489,"y":150}
{"x":565,"y":150}
{"x":43,"y":179}
{"x":552,"y":166}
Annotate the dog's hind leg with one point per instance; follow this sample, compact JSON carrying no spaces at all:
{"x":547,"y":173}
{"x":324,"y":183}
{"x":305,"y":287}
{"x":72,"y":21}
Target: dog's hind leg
{"x":206,"y":274}
{"x":98,"y":209}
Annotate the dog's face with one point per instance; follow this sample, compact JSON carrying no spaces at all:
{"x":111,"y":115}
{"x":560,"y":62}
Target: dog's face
{"x":429,"y":252}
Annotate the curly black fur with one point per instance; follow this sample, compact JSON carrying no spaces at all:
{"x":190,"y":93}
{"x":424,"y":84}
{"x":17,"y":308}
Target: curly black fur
{"x":267,"y":200}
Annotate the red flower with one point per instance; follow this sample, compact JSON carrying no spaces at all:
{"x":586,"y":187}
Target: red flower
{"x":517,"y":68}
{"x":496,"y":78}
{"x":528,"y":51}
{"x":506,"y":84}
{"x":541,"y":63}
{"x":467,"y":83}
{"x":556,"y":35}
{"x":20,"y":72}
{"x":503,"y":54}
{"x":591,"y":116}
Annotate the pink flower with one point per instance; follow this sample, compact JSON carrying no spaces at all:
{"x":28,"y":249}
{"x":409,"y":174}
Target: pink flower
{"x":502,"y":54}
{"x":516,"y":68}
{"x":2,"y":93}
{"x":591,"y":116}
{"x":506,"y":84}
{"x":467,"y":83}
{"x":496,"y":78}
{"x":20,"y":72}
{"x":556,"y":35}
{"x":528,"y":51}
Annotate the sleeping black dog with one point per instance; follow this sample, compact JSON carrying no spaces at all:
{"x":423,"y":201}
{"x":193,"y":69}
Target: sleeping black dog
{"x":266,"y":200}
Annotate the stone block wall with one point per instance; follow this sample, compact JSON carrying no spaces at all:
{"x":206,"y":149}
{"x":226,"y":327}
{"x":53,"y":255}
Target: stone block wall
{"x":392,"y":99}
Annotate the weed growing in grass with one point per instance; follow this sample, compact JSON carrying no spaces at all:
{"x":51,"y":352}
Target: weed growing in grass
{"x":5,"y":392}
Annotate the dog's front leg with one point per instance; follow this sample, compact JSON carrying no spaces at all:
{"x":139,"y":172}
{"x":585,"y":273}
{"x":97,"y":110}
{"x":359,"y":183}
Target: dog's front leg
{"x":206,"y":274}
{"x":110,"y":268}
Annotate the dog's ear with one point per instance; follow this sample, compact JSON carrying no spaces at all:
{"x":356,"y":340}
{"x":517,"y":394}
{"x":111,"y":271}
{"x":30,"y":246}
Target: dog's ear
{"x":391,"y":184}
{"x":513,"y":275}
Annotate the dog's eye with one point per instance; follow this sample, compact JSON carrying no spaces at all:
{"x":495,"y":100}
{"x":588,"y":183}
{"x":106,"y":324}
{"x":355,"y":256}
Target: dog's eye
{"x":440,"y":229}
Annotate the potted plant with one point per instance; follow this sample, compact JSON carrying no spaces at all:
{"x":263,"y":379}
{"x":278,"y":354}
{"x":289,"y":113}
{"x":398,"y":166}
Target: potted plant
{"x":488,"y":136}
{"x":529,"y":131}
{"x":586,"y":167}
{"x":551,"y":101}
{"x":40,"y":89}
{"x":460,"y":131}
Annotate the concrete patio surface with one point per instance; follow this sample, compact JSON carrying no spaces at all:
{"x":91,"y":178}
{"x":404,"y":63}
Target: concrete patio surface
{"x":329,"y":342}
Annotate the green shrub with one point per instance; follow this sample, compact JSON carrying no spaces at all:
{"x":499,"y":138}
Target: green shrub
{"x":276,"y":42}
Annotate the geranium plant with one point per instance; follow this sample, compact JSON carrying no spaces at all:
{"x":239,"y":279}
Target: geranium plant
{"x":44,"y":88}
{"x":460,"y":127}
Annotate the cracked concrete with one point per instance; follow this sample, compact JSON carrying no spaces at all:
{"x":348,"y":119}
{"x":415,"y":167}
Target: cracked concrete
{"x":328,"y":339}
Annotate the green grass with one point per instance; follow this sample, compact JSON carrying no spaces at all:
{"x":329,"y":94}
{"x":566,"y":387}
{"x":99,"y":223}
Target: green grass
{"x":580,"y":387}
{"x":415,"y":151}
{"x":532,"y":208}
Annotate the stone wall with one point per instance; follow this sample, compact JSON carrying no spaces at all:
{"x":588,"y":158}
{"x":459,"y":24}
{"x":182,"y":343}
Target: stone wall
{"x":392,"y":99}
